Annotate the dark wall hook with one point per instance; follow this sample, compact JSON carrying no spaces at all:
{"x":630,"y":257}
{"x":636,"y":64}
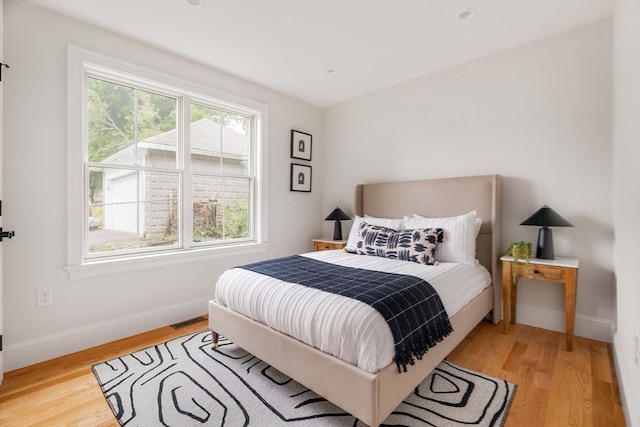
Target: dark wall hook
{"x":2,"y":65}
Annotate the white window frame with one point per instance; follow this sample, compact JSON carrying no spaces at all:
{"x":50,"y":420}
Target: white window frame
{"x":79,"y":265}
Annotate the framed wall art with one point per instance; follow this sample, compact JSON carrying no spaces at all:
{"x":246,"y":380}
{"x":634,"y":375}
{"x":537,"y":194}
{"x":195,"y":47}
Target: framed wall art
{"x":300,"y":145}
{"x":300,"y":178}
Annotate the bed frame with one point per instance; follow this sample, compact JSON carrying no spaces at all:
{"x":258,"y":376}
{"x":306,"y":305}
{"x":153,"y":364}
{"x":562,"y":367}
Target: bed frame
{"x":372,"y":397}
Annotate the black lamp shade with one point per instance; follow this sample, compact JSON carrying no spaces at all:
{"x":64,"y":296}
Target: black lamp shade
{"x":545,"y":217}
{"x":337,"y":215}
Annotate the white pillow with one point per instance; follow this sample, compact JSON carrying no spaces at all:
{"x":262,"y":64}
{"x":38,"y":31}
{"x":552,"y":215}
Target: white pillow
{"x":459,"y":243}
{"x":396,"y":224}
{"x":478,"y":224}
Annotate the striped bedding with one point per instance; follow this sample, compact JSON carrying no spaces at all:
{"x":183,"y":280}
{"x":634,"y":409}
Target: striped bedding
{"x":346,"y":328}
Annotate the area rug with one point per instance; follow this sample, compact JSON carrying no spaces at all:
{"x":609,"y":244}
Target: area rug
{"x":184,"y":382}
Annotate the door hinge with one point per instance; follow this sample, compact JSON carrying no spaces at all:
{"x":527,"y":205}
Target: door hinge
{"x":6,"y":234}
{"x":0,"y":342}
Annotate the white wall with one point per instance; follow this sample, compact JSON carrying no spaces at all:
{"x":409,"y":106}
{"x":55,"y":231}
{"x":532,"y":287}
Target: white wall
{"x":539,"y":115}
{"x":626,"y":201}
{"x":93,"y":311}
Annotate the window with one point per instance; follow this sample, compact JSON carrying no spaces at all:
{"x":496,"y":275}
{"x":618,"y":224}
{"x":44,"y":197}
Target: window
{"x":166,"y":166}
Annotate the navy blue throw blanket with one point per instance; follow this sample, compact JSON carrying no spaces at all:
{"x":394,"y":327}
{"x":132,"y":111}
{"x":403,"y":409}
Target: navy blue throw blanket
{"x":410,"y":305}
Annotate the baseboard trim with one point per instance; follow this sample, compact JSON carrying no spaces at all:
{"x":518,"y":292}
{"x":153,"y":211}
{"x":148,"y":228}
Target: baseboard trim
{"x":37,"y":350}
{"x":625,"y":387}
{"x":29,"y":352}
{"x":585,"y":326}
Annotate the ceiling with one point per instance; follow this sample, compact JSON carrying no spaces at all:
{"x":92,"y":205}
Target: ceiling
{"x":328,"y":51}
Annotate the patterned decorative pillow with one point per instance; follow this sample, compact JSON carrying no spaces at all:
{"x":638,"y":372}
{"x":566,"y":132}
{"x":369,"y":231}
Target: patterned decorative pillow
{"x":416,"y":245}
{"x":396,"y":224}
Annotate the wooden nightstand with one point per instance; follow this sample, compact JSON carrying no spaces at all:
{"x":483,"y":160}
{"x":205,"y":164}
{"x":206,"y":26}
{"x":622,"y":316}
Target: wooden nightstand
{"x":327,"y":245}
{"x":559,"y":270}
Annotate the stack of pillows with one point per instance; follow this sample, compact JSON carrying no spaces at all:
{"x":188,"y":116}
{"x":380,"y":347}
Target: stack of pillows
{"x":417,"y":238}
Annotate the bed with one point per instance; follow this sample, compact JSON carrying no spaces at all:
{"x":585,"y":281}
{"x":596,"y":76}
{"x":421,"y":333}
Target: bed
{"x":371,"y":397}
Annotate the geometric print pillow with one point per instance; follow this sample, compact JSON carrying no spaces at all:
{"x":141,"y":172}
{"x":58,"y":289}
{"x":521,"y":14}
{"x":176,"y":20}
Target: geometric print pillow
{"x":417,"y":245}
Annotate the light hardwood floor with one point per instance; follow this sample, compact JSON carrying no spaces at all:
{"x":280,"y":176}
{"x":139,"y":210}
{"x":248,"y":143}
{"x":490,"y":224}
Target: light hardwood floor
{"x":555,"y":387}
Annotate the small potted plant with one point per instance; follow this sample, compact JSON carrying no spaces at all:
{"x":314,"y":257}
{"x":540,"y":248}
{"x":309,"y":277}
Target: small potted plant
{"x":518,"y":250}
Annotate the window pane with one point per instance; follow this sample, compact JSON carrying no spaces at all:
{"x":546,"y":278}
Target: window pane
{"x":220,"y":208}
{"x":130,"y":126}
{"x":133,"y":209}
{"x":135,"y":163}
{"x":219,"y":141}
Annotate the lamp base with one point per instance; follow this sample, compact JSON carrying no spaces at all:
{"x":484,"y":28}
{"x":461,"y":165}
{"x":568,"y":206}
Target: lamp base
{"x":337,"y":231}
{"x":544,"y":248}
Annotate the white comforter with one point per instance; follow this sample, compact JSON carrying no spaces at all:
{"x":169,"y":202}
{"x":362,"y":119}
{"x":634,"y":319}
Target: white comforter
{"x":341,"y":326}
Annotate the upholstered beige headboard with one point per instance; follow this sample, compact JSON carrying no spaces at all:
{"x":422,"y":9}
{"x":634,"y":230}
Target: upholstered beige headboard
{"x":443,"y":198}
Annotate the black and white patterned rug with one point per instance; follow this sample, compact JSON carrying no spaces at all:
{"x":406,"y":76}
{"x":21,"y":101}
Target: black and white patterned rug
{"x":184,"y":382}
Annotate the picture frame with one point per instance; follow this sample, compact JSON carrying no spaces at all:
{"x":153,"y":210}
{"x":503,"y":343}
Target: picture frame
{"x":300,"y":178}
{"x":301,"y":144}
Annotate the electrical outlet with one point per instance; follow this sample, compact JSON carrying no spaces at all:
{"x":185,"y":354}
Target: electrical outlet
{"x":45,"y":296}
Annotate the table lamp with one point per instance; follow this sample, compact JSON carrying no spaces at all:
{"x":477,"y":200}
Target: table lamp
{"x":545,"y":217}
{"x":337,"y":215}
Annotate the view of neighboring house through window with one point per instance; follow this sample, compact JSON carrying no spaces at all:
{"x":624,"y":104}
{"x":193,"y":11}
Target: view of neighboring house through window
{"x":165,"y":170}
{"x":220,"y":150}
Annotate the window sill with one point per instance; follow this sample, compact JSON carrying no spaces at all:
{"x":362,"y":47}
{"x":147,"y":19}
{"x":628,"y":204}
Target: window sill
{"x":112,"y":266}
